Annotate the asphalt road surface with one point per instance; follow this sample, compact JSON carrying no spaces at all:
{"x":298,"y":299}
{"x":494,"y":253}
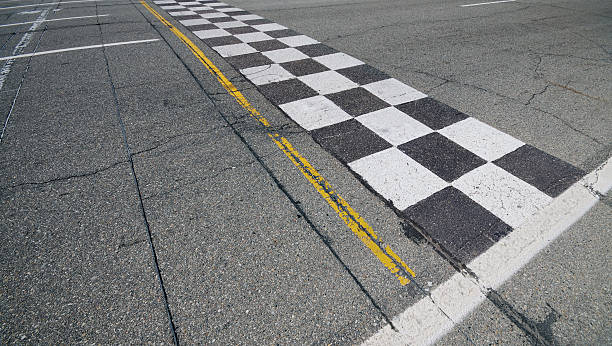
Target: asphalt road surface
{"x":299,"y":172}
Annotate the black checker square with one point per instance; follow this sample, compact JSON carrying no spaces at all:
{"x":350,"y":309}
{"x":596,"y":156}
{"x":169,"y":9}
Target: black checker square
{"x":460,"y":225}
{"x":255,"y":21}
{"x":349,"y":140}
{"x":192,"y":16}
{"x":547,"y":173}
{"x":432,"y":113}
{"x":221,"y":41}
{"x":205,"y":11}
{"x":303,"y":67}
{"x":287,"y":91}
{"x":363,"y":74}
{"x":317,"y":49}
{"x":249,"y":60}
{"x":221,"y":19}
{"x":280,"y":33}
{"x":267,"y":45}
{"x":202,"y":27}
{"x":241,"y":30}
{"x":238,"y":13}
{"x":445,"y":158}
{"x":357,"y":101}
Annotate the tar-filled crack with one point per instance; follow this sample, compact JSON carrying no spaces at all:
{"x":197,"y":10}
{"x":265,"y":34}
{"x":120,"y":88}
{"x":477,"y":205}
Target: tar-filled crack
{"x":536,"y":94}
{"x":278,"y":184}
{"x":138,"y":191}
{"x":65,"y":178}
{"x":289,"y":129}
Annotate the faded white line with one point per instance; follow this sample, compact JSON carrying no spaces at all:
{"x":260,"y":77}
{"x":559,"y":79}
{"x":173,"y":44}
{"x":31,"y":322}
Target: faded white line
{"x":487,"y":3}
{"x":47,"y":4}
{"x":53,"y":20}
{"x":25,"y":40}
{"x":77,"y":48}
{"x":432,"y":317}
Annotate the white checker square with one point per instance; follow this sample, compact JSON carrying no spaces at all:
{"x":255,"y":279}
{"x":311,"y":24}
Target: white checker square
{"x":200,"y":8}
{"x":173,"y":7}
{"x":182,"y":13}
{"x":337,"y":61}
{"x":481,"y":139}
{"x":393,"y":125}
{"x":269,"y":27}
{"x":265,"y":74}
{"x":253,"y":37}
{"x":164,"y":2}
{"x":234,"y":49}
{"x":213,"y":15}
{"x":327,"y":82}
{"x":233,"y":24}
{"x":296,"y":41}
{"x":393,"y":91}
{"x":248,"y":17}
{"x":230,"y":9}
{"x":211,"y":33}
{"x":189,"y":3}
{"x":285,"y":55}
{"x":315,"y":112}
{"x":503,"y":194}
{"x":397,"y":177}
{"x":217,"y":4}
{"x":190,"y":22}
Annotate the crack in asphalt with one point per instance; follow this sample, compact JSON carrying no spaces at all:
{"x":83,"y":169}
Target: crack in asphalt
{"x":65,"y":178}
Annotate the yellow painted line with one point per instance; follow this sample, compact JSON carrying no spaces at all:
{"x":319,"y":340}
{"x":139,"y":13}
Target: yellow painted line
{"x":350,"y":217}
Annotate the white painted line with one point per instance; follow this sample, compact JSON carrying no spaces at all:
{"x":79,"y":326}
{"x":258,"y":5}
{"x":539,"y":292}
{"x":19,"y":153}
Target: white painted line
{"x":432,"y":317}
{"x":29,"y":12}
{"x":54,"y":20}
{"x":48,"y":4}
{"x":76,"y":48}
{"x":3,"y":1}
{"x":25,"y":40}
{"x":487,"y":3}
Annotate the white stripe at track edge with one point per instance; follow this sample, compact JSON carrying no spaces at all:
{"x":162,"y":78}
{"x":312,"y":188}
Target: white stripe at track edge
{"x":25,"y":40}
{"x":76,"y":48}
{"x":48,"y":4}
{"x":54,"y":20}
{"x":487,"y":3}
{"x":432,"y":317}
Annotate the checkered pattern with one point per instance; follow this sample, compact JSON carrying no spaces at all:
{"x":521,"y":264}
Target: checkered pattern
{"x":466,"y":183}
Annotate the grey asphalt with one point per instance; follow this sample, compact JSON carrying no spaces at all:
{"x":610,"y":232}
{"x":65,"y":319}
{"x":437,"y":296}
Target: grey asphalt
{"x":248,"y":251}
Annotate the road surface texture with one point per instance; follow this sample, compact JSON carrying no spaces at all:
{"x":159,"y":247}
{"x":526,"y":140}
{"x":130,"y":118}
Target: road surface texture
{"x":290,"y":172}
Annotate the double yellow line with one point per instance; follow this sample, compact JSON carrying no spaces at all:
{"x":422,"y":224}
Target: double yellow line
{"x":350,"y":217}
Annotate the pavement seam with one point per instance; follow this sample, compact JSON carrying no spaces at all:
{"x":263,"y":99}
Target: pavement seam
{"x":139,"y":193}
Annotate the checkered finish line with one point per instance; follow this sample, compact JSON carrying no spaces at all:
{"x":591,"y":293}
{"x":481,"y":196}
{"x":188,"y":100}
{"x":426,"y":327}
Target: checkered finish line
{"x":464,"y":182}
